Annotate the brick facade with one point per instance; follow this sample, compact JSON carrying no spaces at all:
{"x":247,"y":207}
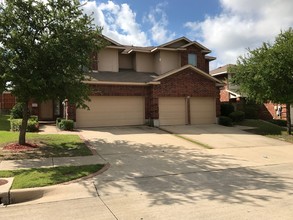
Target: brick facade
{"x":7,"y":101}
{"x":181,"y":84}
{"x":202,"y":63}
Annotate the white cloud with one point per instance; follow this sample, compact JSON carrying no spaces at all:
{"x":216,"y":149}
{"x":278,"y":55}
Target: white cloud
{"x":118,"y":22}
{"x":242,"y":25}
{"x":158,"y":19}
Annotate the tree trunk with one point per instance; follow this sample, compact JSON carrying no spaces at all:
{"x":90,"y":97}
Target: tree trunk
{"x":288,"y":116}
{"x":23,"y":127}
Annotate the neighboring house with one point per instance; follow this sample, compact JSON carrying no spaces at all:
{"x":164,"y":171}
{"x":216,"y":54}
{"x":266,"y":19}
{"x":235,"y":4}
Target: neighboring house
{"x":164,"y":85}
{"x":7,"y":101}
{"x":229,"y":94}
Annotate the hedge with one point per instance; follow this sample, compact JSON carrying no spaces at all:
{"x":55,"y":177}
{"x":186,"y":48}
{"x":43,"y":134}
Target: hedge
{"x":237,"y":116}
{"x":226,"y":121}
{"x":32,"y":125}
{"x":64,"y":124}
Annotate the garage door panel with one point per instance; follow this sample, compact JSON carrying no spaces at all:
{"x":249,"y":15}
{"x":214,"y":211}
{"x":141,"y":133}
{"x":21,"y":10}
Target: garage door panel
{"x":111,"y":111}
{"x":202,"y":110}
{"x":172,"y":110}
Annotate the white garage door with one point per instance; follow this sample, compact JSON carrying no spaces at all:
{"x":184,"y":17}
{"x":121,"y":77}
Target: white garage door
{"x":172,"y":111}
{"x":112,"y":111}
{"x":202,"y":110}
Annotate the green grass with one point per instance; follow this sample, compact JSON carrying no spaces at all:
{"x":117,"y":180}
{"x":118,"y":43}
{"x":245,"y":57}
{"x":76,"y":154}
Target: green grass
{"x":4,"y":122}
{"x":51,"y":145}
{"x":38,"y":177}
{"x":267,"y":129}
{"x":262,"y":127}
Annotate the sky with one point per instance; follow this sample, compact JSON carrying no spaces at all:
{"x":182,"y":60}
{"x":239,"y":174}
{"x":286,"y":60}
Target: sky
{"x":227,"y":27}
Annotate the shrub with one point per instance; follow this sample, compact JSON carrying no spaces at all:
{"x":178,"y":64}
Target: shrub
{"x":32,"y":125}
{"x":251,"y":111}
{"x":16,"y":111}
{"x":237,"y":116}
{"x":66,"y":125}
{"x":226,"y":121}
{"x":226,"y":109}
{"x":279,"y":122}
{"x":34,"y":118}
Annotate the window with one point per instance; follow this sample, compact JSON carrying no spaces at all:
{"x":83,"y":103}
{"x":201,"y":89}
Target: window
{"x":192,"y":59}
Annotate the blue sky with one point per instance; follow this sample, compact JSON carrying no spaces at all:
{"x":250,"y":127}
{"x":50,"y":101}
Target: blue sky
{"x":227,"y":27}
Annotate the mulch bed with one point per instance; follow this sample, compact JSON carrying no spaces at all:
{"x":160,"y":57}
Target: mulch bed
{"x":3,"y":182}
{"x":19,"y":147}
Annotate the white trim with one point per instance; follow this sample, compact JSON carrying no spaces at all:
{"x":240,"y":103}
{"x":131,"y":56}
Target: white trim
{"x":234,"y":93}
{"x":186,"y":67}
{"x":120,"y":83}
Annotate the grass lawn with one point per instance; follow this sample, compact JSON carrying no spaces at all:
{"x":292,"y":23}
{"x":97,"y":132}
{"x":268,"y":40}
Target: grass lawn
{"x":38,"y":177}
{"x":267,"y":129}
{"x":51,"y":145}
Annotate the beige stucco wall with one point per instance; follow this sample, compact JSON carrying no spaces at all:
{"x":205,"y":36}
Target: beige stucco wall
{"x":108,"y":60}
{"x":169,"y":60}
{"x":126,"y":61}
{"x":144,"y":62}
{"x":166,"y":61}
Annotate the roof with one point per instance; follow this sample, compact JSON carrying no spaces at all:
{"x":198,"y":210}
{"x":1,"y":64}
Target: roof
{"x":220,"y":70}
{"x":179,"y":44}
{"x":188,"y":67}
{"x":129,"y":76}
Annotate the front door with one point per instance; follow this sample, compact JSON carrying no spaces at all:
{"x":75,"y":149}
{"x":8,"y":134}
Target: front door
{"x":46,"y":110}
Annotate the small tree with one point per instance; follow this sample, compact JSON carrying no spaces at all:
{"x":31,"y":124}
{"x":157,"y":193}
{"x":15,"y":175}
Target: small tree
{"x":44,"y":46}
{"x":266,"y":73}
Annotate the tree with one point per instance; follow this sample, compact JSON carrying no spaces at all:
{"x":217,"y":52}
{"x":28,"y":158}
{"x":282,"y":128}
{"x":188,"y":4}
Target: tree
{"x":266,"y":73}
{"x":44,"y":47}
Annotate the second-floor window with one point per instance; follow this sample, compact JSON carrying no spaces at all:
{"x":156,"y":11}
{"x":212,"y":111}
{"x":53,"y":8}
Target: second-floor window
{"x":192,"y":59}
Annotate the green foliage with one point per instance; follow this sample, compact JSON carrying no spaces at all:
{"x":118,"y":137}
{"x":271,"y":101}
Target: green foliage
{"x":32,"y":125}
{"x":66,"y":125}
{"x":226,"y":109}
{"x":251,"y":111}
{"x":17,"y":111}
{"x":43,"y":47}
{"x":38,"y":177}
{"x":266,"y":73}
{"x":279,"y":122}
{"x":4,"y":122}
{"x":226,"y":121}
{"x":237,"y":116}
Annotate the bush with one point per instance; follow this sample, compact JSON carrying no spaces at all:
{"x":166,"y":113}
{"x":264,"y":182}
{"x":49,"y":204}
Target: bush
{"x":226,"y":121}
{"x":279,"y":122}
{"x":34,"y":118}
{"x":251,"y":111}
{"x":237,"y":116}
{"x":32,"y":125}
{"x":226,"y":109}
{"x":16,"y":111}
{"x":66,"y":125}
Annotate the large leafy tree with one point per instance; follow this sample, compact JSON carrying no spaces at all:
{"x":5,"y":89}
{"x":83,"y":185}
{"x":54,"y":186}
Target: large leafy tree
{"x":44,"y":46}
{"x":266,"y":73}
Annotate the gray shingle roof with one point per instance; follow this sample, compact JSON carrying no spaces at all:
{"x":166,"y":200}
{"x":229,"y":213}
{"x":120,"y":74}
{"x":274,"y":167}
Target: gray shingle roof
{"x":122,"y":76}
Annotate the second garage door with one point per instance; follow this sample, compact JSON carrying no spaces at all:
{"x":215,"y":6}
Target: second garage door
{"x":202,"y":110}
{"x":112,"y":111}
{"x":172,"y":110}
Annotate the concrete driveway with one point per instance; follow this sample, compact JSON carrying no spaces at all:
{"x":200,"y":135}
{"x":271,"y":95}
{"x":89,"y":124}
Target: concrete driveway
{"x":156,"y":175}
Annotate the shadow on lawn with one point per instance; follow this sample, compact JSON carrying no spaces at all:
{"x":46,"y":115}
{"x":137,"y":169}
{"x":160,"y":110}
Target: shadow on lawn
{"x":169,"y":174}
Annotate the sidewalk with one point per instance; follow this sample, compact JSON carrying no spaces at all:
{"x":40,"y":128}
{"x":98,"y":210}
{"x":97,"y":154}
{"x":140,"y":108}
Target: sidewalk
{"x":50,"y":162}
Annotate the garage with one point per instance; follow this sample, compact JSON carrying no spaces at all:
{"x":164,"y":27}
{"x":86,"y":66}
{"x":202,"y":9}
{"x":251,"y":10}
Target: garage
{"x":202,"y":110}
{"x":112,"y":111}
{"x":172,"y":111}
